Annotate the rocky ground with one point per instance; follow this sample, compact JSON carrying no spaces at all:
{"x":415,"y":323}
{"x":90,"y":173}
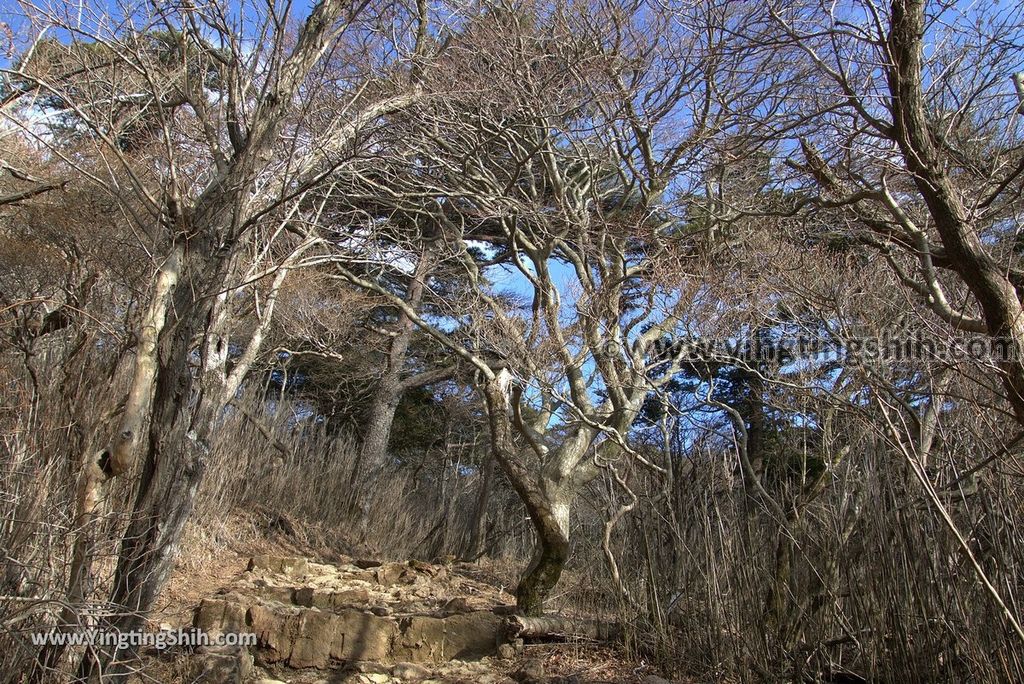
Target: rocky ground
{"x":364,"y":621}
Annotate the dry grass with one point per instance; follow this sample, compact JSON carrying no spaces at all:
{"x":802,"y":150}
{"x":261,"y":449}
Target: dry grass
{"x":901,"y":604}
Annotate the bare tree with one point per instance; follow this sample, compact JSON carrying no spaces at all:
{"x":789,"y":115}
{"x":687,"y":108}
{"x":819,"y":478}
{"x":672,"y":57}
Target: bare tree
{"x":564,"y":176}
{"x":917,"y":149}
{"x":183,"y":87}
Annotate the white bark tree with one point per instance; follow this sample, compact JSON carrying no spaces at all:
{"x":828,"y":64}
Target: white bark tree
{"x":556,"y":149}
{"x":208,"y":126}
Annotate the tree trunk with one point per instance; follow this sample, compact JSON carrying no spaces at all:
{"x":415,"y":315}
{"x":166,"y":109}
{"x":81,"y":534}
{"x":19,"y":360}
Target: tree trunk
{"x":373,"y":452}
{"x":555,"y":626}
{"x":477,"y":537}
{"x":175,"y":458}
{"x":779,"y":604}
{"x":377,"y":433}
{"x":755,"y":414}
{"x":550,"y":517}
{"x":547,"y":492}
{"x":983,"y":275}
{"x":547,"y":506}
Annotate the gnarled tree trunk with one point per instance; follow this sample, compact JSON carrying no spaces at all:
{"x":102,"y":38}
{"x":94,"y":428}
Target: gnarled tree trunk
{"x":176,"y":453}
{"x":549,"y":509}
{"x":547,"y":493}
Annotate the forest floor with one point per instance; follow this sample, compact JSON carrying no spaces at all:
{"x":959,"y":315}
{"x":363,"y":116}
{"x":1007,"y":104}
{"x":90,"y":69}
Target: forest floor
{"x":323,"y":617}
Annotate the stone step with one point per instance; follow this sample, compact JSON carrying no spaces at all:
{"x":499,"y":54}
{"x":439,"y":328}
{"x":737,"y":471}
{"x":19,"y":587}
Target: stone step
{"x":306,"y":636}
{"x":382,"y":574}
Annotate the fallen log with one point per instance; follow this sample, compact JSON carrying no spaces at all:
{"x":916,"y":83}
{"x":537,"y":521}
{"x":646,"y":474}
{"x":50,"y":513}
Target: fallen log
{"x":555,"y":626}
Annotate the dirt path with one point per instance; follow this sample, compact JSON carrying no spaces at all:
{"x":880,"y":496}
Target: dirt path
{"x":364,"y":621}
